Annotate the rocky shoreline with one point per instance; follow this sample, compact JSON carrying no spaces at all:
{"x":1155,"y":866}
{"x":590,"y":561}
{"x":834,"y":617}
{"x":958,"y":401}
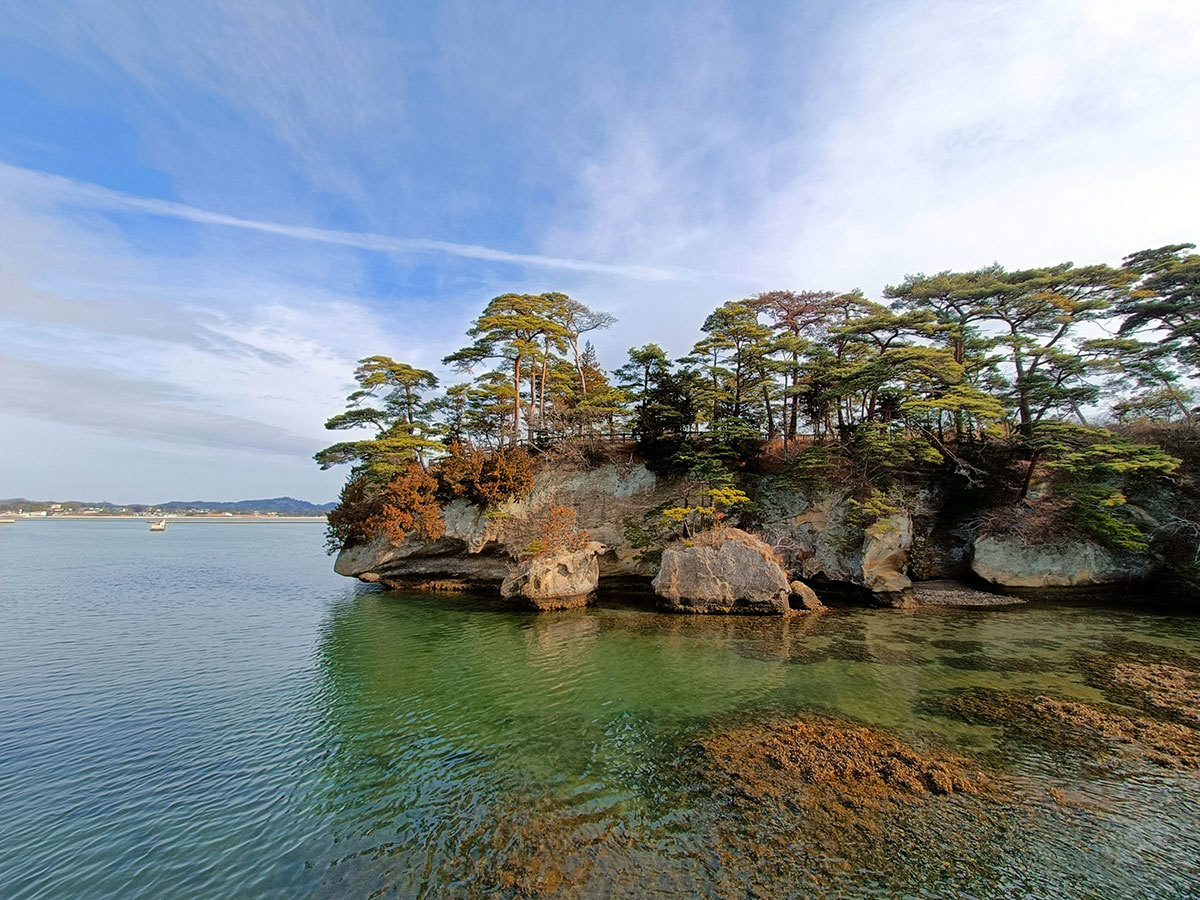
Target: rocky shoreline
{"x":796,"y":549}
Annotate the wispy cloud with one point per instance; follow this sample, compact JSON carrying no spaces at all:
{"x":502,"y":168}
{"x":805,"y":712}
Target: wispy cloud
{"x":99,"y":198}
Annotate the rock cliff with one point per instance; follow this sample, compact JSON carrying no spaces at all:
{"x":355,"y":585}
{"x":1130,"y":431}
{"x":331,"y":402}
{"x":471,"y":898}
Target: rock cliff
{"x":815,"y":540}
{"x":479,"y":546}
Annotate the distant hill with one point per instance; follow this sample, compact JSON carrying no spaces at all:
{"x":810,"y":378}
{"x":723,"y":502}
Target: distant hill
{"x":283,"y":505}
{"x":287,"y":506}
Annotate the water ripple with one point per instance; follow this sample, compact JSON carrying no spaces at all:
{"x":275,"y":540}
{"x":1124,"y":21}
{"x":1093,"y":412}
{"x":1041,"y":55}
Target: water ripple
{"x":213,"y":713}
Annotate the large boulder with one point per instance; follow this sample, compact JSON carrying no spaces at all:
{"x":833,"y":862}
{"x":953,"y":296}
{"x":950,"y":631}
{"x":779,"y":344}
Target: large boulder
{"x":1013,"y":563}
{"x":722,"y":571}
{"x":562,"y":580}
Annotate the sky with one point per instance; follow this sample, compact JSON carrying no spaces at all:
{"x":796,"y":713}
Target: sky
{"x":210,"y":209}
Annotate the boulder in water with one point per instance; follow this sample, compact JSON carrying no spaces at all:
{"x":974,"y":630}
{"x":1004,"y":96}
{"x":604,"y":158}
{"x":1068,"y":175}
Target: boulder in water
{"x":722,"y":571}
{"x":1013,"y":563}
{"x":804,"y":597}
{"x":562,"y":580}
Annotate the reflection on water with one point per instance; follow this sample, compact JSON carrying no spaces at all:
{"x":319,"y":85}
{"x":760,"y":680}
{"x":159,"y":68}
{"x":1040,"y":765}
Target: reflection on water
{"x":216,"y":714}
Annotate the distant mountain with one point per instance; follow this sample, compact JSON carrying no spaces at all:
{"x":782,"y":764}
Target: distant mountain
{"x":283,"y":505}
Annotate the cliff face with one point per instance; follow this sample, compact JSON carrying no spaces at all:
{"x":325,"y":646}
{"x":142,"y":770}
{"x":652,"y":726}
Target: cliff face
{"x":814,"y":539}
{"x":479,"y":545}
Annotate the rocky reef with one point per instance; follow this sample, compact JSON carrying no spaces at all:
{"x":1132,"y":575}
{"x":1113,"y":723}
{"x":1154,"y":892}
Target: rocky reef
{"x":791,"y":537}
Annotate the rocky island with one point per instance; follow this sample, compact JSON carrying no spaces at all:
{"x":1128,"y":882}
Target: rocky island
{"x":812,"y":444}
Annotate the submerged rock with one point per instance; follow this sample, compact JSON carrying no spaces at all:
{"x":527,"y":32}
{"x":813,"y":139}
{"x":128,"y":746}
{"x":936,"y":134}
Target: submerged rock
{"x":1070,"y":723}
{"x":1010,"y":562}
{"x":724,"y":570}
{"x":857,"y":763}
{"x":563,"y":580}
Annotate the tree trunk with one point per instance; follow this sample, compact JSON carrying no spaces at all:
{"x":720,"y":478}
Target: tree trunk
{"x":542,"y":398}
{"x":516,"y":400}
{"x":579,"y":368}
{"x":767,"y":401}
{"x":1033,"y":461}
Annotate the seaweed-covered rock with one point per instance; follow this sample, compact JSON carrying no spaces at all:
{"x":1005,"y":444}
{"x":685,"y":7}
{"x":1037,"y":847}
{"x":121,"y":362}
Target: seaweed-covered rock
{"x":724,"y":570}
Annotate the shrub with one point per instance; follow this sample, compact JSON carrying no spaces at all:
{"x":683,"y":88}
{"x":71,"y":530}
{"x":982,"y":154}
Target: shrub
{"x":486,"y":477}
{"x":358,"y":504}
{"x":559,"y":533}
{"x":866,"y":513}
{"x":407,"y":503}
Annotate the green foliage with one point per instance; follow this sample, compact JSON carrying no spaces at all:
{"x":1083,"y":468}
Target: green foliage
{"x":809,"y":472}
{"x":870,"y":511}
{"x":1166,"y":301}
{"x":1089,"y":468}
{"x":400,"y":437}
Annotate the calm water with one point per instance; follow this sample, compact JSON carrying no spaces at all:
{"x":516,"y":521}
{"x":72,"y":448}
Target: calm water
{"x":210,"y":712}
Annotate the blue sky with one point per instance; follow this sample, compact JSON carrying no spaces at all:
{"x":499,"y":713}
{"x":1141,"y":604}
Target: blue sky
{"x":209,"y":210}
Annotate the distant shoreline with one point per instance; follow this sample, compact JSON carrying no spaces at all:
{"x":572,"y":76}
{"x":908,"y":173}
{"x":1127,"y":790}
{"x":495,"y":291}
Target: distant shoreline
{"x":174,"y":519}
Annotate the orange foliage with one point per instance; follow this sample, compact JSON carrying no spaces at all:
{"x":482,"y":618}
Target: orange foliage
{"x":409,"y":503}
{"x":559,"y":532}
{"x":487,"y":478}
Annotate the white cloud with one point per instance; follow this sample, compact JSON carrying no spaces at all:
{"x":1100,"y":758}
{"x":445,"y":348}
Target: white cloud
{"x":932,"y":136}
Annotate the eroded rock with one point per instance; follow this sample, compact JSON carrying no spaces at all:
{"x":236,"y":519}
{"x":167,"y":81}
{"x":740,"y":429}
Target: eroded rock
{"x":725,"y":571}
{"x":886,"y":545}
{"x":563,"y":580}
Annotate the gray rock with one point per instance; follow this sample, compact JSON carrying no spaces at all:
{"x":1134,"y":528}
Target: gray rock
{"x":563,"y":580}
{"x":722,"y":571}
{"x":814,"y":540}
{"x":1011,"y":562}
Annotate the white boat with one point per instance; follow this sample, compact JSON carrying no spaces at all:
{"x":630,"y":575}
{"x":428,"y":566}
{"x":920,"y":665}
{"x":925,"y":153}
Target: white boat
{"x":7,"y":521}
{"x":160,"y":525}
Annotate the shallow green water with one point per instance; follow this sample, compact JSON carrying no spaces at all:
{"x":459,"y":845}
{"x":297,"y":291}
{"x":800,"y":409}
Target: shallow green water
{"x":210,"y":712}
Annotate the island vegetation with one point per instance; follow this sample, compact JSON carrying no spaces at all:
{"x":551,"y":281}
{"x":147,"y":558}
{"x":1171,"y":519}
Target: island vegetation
{"x":1045,"y":398}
